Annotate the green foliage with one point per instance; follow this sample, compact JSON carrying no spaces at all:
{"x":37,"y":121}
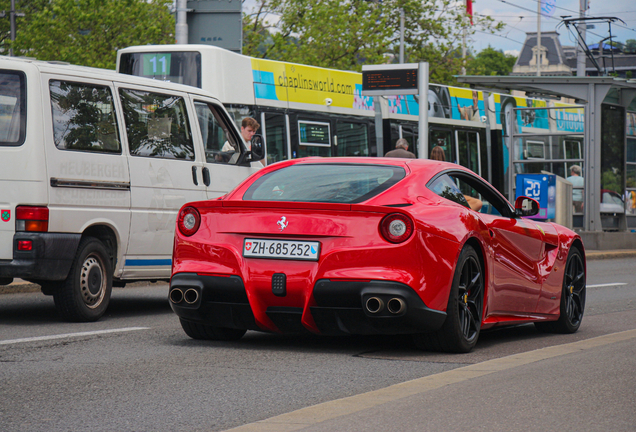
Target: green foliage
{"x":347,"y":34}
{"x":630,"y":46}
{"x":89,"y":32}
{"x":491,"y":62}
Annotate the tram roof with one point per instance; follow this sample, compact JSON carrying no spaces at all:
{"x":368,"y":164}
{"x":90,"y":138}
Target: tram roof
{"x":547,"y":86}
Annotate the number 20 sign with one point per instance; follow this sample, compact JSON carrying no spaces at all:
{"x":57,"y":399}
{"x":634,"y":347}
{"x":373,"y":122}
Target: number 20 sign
{"x":541,"y":187}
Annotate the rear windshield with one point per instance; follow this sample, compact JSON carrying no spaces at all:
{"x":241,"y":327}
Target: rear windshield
{"x":330,"y":183}
{"x":12,"y":108}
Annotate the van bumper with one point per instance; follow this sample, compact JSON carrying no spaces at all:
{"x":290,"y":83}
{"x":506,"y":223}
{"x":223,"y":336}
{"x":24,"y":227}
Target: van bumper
{"x":49,"y":259}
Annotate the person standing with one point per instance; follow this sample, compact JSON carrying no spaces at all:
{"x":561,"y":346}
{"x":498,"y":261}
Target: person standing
{"x":401,"y":150}
{"x":577,"y":191}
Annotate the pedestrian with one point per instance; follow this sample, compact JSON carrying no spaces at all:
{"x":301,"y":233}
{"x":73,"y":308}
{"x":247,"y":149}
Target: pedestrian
{"x":401,"y":150}
{"x":577,"y":191}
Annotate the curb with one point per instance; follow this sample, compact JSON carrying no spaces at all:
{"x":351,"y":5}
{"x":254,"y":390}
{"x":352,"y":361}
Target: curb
{"x":609,"y":254}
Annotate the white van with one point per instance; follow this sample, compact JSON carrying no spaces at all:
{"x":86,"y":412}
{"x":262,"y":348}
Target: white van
{"x":94,"y":166}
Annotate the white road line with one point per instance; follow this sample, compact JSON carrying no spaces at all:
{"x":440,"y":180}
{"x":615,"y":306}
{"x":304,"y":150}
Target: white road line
{"x":70,"y":335}
{"x":606,"y":285}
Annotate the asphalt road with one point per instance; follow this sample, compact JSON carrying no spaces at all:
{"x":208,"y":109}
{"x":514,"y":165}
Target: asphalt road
{"x":135,"y":370}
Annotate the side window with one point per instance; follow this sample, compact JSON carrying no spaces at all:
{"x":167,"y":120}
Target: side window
{"x":446,"y":187}
{"x":12,"y":108}
{"x":84,"y":117}
{"x":157,"y":125}
{"x":220,"y":145}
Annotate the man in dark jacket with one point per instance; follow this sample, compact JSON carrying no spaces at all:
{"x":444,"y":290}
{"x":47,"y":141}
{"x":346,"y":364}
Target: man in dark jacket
{"x":401,"y":150}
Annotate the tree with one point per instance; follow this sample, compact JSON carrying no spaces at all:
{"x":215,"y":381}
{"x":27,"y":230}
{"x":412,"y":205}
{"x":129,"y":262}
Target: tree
{"x":89,"y":32}
{"x":491,"y":62}
{"x":347,"y":34}
{"x":630,"y":46}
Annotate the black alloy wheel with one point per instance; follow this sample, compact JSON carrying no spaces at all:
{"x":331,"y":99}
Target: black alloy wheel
{"x":460,"y":331}
{"x":573,"y":292}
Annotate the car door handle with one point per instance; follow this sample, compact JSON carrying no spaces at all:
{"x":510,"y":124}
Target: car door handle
{"x":492,"y":233}
{"x":194,"y":176}
{"x":206,"y":176}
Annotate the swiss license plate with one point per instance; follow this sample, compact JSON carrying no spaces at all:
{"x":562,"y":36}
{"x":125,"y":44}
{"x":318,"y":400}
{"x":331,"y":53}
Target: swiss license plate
{"x":281,"y":249}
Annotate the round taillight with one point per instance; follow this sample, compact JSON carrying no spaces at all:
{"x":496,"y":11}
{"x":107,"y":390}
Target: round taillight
{"x":188,"y":221}
{"x":396,"y":227}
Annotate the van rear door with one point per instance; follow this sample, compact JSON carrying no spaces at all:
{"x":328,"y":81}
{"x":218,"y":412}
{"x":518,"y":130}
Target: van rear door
{"x":22,"y":163}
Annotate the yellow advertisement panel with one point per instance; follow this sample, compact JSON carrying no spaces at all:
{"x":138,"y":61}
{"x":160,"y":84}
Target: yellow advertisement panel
{"x":281,"y":81}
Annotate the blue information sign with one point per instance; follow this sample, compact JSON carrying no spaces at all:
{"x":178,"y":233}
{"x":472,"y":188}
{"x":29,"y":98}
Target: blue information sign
{"x":541,"y":187}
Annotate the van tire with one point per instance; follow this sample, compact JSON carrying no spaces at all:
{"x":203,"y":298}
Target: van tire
{"x":85,"y":294}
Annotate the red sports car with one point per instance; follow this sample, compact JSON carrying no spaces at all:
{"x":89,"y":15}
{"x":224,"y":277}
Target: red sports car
{"x":372,"y":246}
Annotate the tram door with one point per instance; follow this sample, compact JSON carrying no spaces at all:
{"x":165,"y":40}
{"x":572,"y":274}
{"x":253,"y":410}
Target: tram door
{"x":468,"y":151}
{"x":274,"y":129}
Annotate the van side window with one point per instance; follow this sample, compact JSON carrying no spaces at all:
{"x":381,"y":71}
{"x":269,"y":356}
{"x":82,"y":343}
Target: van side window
{"x":84,"y":117}
{"x":157,"y":125}
{"x":220,"y":145}
{"x":12,"y":108}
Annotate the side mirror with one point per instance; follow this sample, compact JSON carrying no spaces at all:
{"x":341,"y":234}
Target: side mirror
{"x":257,"y":148}
{"x":525,"y":206}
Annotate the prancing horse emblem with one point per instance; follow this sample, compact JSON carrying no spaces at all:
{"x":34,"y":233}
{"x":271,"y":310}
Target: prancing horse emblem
{"x":282,"y":223}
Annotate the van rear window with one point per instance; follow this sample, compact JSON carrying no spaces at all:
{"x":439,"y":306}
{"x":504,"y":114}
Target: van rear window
{"x":12,"y":108}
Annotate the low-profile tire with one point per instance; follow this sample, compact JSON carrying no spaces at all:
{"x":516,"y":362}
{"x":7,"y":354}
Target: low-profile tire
{"x":85,"y":294}
{"x":572,"y":305}
{"x":460,"y":330}
{"x":206,"y":332}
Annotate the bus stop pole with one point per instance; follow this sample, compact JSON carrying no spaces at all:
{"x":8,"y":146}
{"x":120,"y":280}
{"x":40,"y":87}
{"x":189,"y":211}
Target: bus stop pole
{"x":422,"y":86}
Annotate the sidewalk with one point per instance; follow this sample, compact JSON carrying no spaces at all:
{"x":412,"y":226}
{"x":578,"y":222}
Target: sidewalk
{"x":22,"y":286}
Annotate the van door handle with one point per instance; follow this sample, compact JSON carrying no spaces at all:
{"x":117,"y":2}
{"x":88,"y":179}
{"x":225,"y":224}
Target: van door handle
{"x":206,"y":176}
{"x":194,"y":176}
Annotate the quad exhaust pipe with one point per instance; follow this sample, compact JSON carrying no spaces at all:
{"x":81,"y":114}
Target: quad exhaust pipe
{"x":375,"y":305}
{"x":190,"y":296}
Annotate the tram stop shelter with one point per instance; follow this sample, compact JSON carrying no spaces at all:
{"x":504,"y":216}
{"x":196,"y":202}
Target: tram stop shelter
{"x":607,"y":217}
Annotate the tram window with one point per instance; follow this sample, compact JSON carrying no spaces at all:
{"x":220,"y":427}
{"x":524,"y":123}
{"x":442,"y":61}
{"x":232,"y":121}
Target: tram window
{"x":468,"y":149}
{"x":275,"y":137}
{"x":444,"y":139}
{"x":533,"y":149}
{"x":353,"y":139}
{"x":572,"y":149}
{"x":239,"y":112}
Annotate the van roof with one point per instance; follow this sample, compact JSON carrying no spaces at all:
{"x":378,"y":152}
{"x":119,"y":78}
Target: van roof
{"x":24,"y":63}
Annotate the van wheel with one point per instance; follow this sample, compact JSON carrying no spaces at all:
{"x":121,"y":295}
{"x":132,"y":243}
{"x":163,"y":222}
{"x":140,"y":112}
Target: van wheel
{"x":85,"y":294}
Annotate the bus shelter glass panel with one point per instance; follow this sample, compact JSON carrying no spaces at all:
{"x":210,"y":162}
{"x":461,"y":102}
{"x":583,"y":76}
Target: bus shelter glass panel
{"x":276,"y":137}
{"x":612,"y":163}
{"x":353,"y":139}
{"x":314,"y":139}
{"x":630,"y":171}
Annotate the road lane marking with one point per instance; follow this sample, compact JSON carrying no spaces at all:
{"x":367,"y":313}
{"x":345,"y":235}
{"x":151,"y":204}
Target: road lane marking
{"x":71,"y":335}
{"x":606,"y":285}
{"x":313,"y":415}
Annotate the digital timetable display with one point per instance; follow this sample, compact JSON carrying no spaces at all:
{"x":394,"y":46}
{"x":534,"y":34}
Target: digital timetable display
{"x":390,"y":80}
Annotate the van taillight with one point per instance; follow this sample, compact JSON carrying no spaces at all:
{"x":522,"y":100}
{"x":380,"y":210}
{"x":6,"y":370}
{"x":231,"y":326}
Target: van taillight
{"x":33,"y":219}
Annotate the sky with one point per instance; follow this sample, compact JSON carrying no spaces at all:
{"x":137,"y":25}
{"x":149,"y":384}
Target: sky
{"x":520,"y":17}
